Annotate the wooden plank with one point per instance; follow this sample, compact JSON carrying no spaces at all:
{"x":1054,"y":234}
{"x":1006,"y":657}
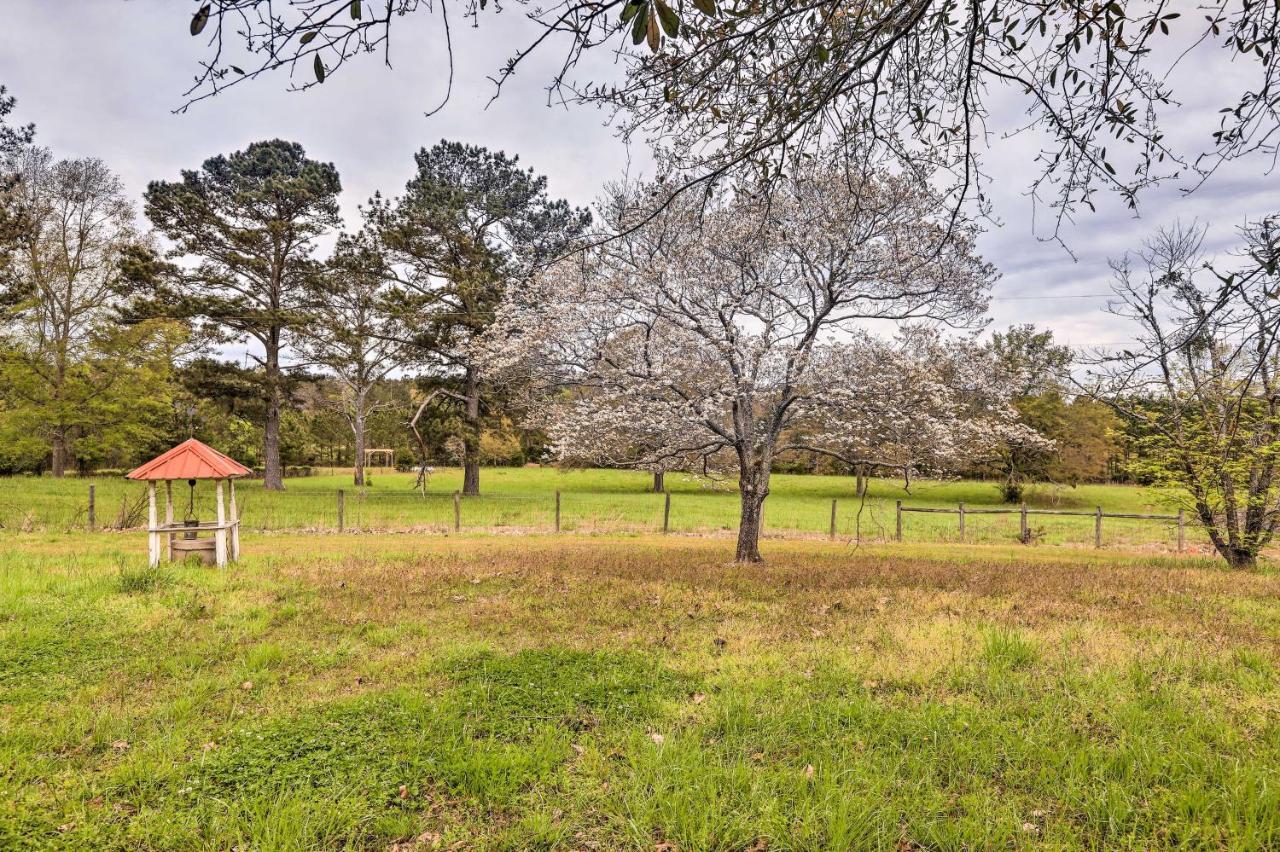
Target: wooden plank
{"x":153,"y":538}
{"x":220,"y":535}
{"x":168,"y":518}
{"x":235,"y":523}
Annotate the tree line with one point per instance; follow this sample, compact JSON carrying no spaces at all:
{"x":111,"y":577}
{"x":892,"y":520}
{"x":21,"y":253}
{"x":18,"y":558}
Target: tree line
{"x":826,"y":318}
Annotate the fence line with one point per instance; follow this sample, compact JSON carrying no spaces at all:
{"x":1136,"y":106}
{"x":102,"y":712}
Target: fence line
{"x":554,"y":513}
{"x":1025,"y":531}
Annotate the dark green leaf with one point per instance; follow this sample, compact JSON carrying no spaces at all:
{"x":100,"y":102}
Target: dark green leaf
{"x":319,"y":68}
{"x":640,"y":26}
{"x":200,"y":19}
{"x":670,"y":20}
{"x":309,"y":36}
{"x":355,"y":10}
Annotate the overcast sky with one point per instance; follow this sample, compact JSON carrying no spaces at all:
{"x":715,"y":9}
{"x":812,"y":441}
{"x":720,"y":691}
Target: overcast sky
{"x":102,"y":78}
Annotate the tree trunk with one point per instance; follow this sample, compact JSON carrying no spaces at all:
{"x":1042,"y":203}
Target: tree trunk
{"x":58,"y":452}
{"x":357,"y":427}
{"x":861,"y":487}
{"x":659,"y":481}
{"x":272,"y":472}
{"x":1240,"y":558}
{"x":749,"y":527}
{"x":471,"y":434}
{"x":753,"y":487}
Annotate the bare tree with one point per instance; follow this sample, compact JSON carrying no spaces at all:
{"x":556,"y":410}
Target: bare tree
{"x":730,"y":85}
{"x":1202,"y":386}
{"x":77,"y":224}
{"x":350,"y":332}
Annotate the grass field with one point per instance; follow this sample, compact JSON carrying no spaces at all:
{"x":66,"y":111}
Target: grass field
{"x":593,"y":692}
{"x":521,"y":499}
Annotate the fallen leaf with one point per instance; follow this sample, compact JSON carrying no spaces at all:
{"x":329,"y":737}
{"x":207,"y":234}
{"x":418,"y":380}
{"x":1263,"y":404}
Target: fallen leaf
{"x":870,"y":684}
{"x":658,"y":738}
{"x":719,"y":643}
{"x":577,"y":749}
{"x":404,"y":791}
{"x":209,"y":746}
{"x":698,"y":698}
{"x":1030,"y":828}
{"x":758,"y":756}
{"x":247,"y":685}
{"x":808,"y":771}
{"x":66,"y":826}
{"x":120,"y":746}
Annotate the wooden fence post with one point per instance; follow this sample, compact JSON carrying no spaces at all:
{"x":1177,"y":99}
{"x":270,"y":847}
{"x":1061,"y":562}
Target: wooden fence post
{"x":962,"y":522}
{"x":898,"y":530}
{"x":1024,"y":534}
{"x":557,"y":511}
{"x":833,"y":520}
{"x":666,"y":513}
{"x":1182,"y":531}
{"x":342,"y":507}
{"x":92,"y":513}
{"x":1097,"y":528}
{"x":457,"y":511}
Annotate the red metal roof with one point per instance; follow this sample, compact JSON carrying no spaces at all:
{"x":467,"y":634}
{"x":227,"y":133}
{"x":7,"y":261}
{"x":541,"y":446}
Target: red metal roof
{"x":190,"y":460}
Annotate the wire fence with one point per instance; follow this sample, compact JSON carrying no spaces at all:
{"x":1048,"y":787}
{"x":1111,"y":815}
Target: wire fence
{"x":365,"y":510}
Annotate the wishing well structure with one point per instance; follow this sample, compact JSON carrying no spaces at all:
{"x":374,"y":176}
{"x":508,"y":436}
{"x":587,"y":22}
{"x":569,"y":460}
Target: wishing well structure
{"x":193,"y":461}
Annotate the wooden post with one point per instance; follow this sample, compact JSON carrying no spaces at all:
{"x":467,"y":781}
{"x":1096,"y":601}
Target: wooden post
{"x":1024,"y":534}
{"x":833,"y":520}
{"x":92,"y":514}
{"x":557,"y":510}
{"x":153,"y":537}
{"x":898,"y":530}
{"x":342,"y":509}
{"x":235,"y":523}
{"x":457,"y":511}
{"x":220,"y":534}
{"x":1182,"y":531}
{"x":168,"y":518}
{"x":1097,"y":528}
{"x":962,"y":522}
{"x":666,"y":512}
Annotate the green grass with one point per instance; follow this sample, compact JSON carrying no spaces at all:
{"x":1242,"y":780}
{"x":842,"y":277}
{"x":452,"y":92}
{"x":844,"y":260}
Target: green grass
{"x":613,"y":501}
{"x":589,"y":692}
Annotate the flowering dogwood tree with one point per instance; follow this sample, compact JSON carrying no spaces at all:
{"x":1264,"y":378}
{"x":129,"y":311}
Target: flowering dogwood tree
{"x":918,"y":404}
{"x":702,"y":325}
